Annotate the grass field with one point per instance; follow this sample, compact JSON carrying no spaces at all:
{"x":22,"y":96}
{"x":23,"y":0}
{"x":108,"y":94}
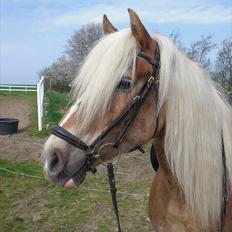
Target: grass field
{"x":30,"y":203}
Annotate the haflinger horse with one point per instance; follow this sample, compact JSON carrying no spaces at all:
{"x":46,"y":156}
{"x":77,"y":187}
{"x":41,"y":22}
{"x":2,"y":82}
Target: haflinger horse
{"x":133,"y":87}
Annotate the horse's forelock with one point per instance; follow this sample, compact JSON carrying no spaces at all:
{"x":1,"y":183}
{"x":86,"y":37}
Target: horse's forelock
{"x":101,"y":72}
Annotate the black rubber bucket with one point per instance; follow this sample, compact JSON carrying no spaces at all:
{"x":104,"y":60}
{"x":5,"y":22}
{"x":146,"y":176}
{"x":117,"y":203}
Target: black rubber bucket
{"x":8,"y":126}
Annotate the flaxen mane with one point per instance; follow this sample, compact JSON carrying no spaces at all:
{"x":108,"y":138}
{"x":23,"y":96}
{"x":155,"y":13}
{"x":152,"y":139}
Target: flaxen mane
{"x":196,"y":115}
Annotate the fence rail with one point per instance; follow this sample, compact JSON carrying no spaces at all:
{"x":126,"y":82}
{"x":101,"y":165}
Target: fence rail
{"x":39,"y":88}
{"x":18,"y":88}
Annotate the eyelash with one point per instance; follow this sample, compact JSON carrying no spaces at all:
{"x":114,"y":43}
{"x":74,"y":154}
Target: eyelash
{"x":124,"y":84}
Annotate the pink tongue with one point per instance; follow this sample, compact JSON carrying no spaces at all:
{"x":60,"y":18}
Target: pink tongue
{"x":69,"y":184}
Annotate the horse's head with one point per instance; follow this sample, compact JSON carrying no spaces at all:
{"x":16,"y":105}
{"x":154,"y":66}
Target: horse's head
{"x":111,"y":77}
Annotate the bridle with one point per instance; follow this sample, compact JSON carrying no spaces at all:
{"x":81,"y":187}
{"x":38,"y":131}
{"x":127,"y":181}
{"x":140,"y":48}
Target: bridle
{"x":132,"y":108}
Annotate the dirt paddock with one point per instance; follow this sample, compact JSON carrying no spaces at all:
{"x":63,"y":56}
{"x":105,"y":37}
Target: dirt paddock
{"x":14,"y":148}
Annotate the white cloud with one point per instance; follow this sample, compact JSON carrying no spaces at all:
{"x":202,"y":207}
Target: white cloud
{"x":167,"y":11}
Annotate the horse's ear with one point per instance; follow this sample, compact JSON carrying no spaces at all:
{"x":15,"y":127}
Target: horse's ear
{"x":139,"y":31}
{"x":108,"y":26}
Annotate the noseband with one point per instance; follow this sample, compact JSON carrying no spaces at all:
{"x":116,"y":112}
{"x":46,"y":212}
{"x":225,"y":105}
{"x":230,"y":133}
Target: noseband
{"x":132,"y":108}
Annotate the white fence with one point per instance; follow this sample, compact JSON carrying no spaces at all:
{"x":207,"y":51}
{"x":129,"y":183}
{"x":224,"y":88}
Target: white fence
{"x":39,"y":88}
{"x":40,"y":101}
{"x":18,"y":88}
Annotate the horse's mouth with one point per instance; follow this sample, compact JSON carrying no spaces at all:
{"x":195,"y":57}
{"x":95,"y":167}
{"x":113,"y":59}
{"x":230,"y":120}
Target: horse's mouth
{"x":66,"y":178}
{"x":75,"y":180}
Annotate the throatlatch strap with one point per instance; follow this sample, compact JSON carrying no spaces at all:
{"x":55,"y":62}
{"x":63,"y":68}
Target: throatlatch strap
{"x":153,"y":158}
{"x":113,"y":190}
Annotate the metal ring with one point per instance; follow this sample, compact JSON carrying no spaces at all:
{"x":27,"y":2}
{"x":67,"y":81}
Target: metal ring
{"x":105,"y":146}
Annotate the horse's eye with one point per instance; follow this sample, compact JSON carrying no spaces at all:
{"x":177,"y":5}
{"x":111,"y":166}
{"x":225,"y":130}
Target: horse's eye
{"x":124,"y":84}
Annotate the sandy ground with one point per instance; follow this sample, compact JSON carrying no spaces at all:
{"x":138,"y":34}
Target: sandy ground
{"x":14,"y":147}
{"x":16,"y":108}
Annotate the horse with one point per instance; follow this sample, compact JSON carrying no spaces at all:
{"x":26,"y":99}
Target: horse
{"x":134,"y":87}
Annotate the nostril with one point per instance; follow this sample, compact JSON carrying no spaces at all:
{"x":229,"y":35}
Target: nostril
{"x":54,"y":161}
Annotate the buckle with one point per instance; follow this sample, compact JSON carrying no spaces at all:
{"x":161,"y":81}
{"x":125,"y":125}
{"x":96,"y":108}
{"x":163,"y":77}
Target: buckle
{"x":150,"y":80}
{"x":136,"y":98}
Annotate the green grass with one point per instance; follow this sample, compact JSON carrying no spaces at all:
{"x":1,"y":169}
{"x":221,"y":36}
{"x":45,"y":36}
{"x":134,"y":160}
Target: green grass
{"x":29,"y":204}
{"x":56,"y":104}
{"x":17,"y":94}
{"x":26,"y":168}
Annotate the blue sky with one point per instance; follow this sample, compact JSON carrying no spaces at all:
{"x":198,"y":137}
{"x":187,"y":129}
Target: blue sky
{"x":33,"y":33}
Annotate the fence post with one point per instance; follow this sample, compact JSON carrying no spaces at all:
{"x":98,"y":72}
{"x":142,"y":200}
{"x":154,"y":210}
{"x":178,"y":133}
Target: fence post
{"x":40,"y":98}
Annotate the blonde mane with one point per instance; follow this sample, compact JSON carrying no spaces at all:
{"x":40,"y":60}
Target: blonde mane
{"x":101,"y":72}
{"x":196,"y":115}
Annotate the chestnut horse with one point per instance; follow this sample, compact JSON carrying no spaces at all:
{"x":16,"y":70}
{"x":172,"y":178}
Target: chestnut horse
{"x":187,"y":191}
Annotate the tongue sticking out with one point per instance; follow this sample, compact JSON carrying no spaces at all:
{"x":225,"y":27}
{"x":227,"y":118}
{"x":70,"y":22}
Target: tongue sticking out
{"x":69,"y":184}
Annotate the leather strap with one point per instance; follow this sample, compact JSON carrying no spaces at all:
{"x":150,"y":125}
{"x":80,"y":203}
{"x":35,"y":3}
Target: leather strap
{"x":150,"y":60}
{"x":68,"y":137}
{"x":113,"y":190}
{"x":153,"y":158}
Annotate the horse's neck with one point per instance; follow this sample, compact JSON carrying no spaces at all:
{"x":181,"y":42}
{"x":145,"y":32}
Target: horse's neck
{"x":167,"y":175}
{"x":170,"y":181}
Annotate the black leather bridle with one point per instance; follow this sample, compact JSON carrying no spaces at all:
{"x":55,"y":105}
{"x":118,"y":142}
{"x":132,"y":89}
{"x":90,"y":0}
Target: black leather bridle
{"x":132,"y":108}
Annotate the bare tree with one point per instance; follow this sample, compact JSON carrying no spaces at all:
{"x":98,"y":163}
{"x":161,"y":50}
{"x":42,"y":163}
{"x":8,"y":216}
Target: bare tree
{"x":200,"y":49}
{"x":59,"y":74}
{"x":82,"y":41}
{"x":62,"y":72}
{"x":223,"y":73}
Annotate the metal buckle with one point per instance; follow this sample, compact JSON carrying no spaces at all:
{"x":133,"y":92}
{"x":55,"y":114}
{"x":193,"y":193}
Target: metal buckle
{"x":103,"y":150}
{"x":136,"y":98}
{"x":150,"y":80}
